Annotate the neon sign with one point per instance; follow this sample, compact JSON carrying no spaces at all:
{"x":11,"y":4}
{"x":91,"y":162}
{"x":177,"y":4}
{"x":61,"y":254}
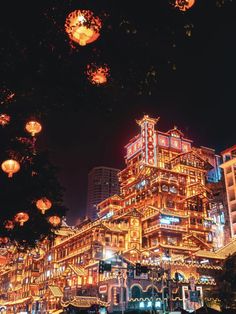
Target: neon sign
{"x":108,"y":215}
{"x":167,"y":220}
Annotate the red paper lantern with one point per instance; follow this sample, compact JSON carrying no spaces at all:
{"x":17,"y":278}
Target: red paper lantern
{"x":10,"y":166}
{"x":33,"y":127}
{"x":4,"y":240}
{"x":21,"y":218}
{"x":9,"y":225}
{"x":184,"y":5}
{"x":43,"y":204}
{"x":97,"y":74}
{"x":54,"y":220}
{"x":4,"y":119}
{"x":83,"y":27}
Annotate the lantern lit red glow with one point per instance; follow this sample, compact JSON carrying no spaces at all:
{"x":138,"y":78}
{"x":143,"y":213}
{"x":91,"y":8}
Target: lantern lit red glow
{"x":54,"y":220}
{"x":9,"y":225}
{"x":184,"y":5}
{"x":33,"y":127}
{"x":43,"y":204}
{"x":97,"y":74}
{"x":4,"y":119}
{"x":4,"y":240}
{"x":83,"y":27}
{"x":21,"y":218}
{"x":10,"y":166}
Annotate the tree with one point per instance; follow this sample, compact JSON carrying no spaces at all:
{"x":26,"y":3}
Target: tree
{"x":227,"y":283}
{"x":35,"y":180}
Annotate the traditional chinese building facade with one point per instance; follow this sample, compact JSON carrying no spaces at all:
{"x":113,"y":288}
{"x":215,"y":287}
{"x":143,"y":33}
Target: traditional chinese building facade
{"x":161,"y":219}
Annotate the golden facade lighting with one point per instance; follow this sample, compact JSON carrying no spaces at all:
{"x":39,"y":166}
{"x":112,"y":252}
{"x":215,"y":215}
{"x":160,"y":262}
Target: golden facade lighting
{"x":83,"y":27}
{"x":10,"y":166}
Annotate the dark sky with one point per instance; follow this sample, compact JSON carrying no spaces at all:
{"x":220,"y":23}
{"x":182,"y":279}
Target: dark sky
{"x":156,"y":68}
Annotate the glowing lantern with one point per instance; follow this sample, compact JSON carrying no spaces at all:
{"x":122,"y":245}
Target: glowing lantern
{"x":4,"y":119}
{"x":3,"y":260}
{"x":10,"y":166}
{"x":43,"y":204}
{"x":97,"y":74}
{"x":9,"y":225}
{"x":33,"y":127}
{"x":184,"y":5}
{"x":54,"y":220}
{"x":21,"y":218}
{"x":83,"y":27}
{"x":4,"y":240}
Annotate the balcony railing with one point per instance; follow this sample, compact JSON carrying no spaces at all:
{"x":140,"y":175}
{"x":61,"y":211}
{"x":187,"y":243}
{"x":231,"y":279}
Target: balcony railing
{"x":164,"y":226}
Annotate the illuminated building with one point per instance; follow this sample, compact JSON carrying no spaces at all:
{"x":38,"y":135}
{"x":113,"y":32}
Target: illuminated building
{"x":102,"y":183}
{"x":229,"y":167}
{"x":162,"y":218}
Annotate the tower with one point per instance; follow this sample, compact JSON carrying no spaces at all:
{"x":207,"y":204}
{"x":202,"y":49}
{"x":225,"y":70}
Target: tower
{"x":148,"y":140}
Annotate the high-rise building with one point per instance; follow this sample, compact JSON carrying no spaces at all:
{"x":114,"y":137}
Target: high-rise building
{"x":102,"y":183}
{"x":229,"y":166}
{"x":219,"y":214}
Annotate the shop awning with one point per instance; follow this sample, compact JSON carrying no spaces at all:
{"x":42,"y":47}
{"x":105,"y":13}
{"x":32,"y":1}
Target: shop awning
{"x":84,"y":302}
{"x":55,"y":311}
{"x":56,"y":291}
{"x":79,"y":271}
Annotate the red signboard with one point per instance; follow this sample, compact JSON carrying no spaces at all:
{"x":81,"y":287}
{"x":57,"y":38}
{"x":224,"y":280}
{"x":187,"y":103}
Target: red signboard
{"x":163,"y":140}
{"x":134,"y":148}
{"x":175,"y":143}
{"x":103,"y":289}
{"x":186,"y":147}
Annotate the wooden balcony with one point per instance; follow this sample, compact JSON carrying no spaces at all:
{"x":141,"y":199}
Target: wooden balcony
{"x":167,"y":227}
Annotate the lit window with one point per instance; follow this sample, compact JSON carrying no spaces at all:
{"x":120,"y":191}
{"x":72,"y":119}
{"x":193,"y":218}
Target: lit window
{"x":141,"y":305}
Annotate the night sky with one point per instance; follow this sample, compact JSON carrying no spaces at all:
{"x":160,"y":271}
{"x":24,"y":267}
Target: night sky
{"x":177,"y":65}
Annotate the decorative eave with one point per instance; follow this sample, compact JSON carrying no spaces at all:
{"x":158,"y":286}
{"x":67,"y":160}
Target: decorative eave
{"x":135,"y":138}
{"x":131,"y":213}
{"x":208,"y":254}
{"x":228,"y":149}
{"x":228,"y":249}
{"x":113,"y":197}
{"x":175,"y":129}
{"x":132,"y":249}
{"x":167,"y":134}
{"x":148,"y":119}
{"x":182,"y":248}
{"x":84,"y":302}
{"x":112,"y":228}
{"x":172,"y":213}
{"x":208,"y":166}
{"x":198,"y":240}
